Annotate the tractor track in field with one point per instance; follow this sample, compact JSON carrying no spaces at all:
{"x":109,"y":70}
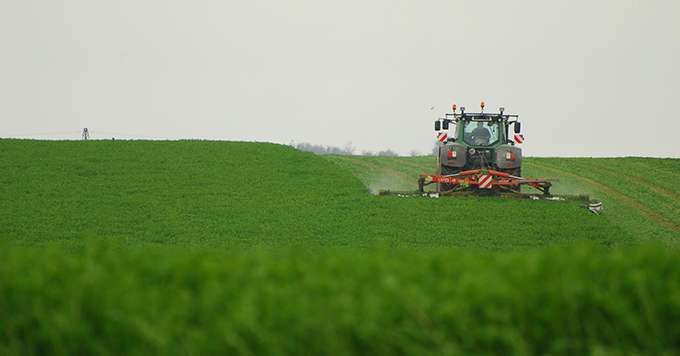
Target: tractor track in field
{"x":633,"y":178}
{"x":617,"y":195}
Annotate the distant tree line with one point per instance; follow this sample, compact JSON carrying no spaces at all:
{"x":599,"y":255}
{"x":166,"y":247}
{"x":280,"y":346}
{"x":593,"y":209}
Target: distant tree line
{"x":348,"y":150}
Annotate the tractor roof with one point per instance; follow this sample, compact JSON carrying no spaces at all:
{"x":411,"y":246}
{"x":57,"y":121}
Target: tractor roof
{"x":479,"y":116}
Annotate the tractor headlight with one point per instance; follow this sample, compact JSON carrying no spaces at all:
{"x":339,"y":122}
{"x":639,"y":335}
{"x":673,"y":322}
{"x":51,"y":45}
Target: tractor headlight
{"x":510,"y":156}
{"x":472,"y":151}
{"x":451,"y":154}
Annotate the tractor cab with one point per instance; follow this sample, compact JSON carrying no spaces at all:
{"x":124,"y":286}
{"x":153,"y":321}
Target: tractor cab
{"x":480,"y":132}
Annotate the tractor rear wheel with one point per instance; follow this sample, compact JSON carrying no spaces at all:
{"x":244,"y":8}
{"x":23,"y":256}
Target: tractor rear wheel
{"x":517,"y":172}
{"x":445,"y":171}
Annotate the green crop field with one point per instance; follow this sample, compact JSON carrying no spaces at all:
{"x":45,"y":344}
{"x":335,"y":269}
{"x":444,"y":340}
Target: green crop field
{"x":195,"y":247}
{"x":641,"y":195}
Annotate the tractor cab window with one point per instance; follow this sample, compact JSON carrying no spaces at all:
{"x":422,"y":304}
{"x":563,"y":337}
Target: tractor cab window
{"x":481,"y":133}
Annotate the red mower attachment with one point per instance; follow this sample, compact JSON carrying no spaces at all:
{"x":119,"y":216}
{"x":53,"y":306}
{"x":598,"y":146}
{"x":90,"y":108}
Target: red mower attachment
{"x":484,"y":180}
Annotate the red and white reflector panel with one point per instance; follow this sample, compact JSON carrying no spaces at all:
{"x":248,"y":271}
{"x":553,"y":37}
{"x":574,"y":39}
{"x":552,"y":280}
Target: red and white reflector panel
{"x":485,"y":181}
{"x":519,"y":138}
{"x":442,"y":136}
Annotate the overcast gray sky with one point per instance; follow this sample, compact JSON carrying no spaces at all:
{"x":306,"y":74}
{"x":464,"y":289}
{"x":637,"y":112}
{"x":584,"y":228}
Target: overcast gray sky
{"x":588,"y":78}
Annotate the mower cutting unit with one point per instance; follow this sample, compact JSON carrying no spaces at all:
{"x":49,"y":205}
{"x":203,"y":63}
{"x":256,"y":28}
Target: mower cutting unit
{"x":481,"y":179}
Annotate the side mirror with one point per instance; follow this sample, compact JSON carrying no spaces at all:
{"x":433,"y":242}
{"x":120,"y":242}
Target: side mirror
{"x":445,"y":124}
{"x":437,"y":125}
{"x":518,"y":127}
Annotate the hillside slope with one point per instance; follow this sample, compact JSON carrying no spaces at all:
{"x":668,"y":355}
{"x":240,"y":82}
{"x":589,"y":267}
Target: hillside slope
{"x":641,"y":195}
{"x":249,"y":194}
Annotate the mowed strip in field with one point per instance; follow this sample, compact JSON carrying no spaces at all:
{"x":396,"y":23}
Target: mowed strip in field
{"x":641,"y":195}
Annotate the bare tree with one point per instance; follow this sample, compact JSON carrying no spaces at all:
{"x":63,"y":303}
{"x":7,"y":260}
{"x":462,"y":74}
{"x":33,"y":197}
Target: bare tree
{"x":348,"y":150}
{"x":387,"y":153}
{"x":324,"y":150}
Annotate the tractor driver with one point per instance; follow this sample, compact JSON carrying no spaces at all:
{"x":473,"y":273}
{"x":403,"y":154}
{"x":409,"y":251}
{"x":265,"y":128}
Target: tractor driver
{"x":480,"y":135}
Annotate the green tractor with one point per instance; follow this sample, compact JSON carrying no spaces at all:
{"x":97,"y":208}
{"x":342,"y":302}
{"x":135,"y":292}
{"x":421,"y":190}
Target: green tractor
{"x":478,"y":153}
{"x":481,"y":140}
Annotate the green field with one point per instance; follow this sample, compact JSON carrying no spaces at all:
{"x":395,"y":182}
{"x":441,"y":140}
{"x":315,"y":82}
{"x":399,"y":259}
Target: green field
{"x":194,"y":247}
{"x":641,"y":195}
